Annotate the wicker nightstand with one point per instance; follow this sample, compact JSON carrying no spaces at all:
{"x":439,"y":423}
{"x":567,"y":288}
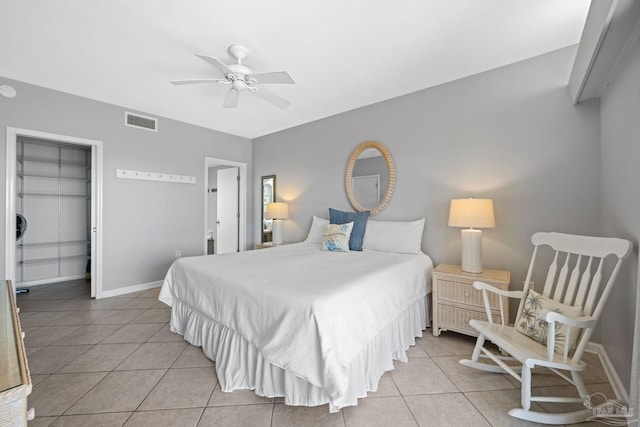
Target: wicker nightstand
{"x":455,"y":301}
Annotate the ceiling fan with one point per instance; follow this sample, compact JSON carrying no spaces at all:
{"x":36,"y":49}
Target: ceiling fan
{"x":241,"y":78}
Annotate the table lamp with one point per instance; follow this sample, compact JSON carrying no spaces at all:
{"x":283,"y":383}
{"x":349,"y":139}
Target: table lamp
{"x":472,"y":213}
{"x":277,"y":211}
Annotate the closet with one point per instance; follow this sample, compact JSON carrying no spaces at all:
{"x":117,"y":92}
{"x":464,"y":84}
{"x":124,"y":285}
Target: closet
{"x":53,"y":190}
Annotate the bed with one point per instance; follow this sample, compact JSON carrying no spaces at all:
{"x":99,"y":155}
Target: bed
{"x":312,"y":326}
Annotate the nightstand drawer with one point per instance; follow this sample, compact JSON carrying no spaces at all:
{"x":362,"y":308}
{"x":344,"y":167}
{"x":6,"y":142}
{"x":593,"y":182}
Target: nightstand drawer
{"x":457,"y":319}
{"x":463,"y":293}
{"x":455,"y":301}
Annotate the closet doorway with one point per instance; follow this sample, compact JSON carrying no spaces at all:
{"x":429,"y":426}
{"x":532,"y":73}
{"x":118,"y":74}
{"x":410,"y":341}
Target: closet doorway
{"x":225,"y":205}
{"x":54,"y":187}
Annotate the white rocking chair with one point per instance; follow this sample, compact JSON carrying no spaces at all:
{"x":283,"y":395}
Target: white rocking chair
{"x":551,"y":330}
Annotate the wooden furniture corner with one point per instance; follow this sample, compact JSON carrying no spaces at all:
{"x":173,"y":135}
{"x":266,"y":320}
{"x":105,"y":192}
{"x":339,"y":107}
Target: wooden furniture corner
{"x":15,"y":381}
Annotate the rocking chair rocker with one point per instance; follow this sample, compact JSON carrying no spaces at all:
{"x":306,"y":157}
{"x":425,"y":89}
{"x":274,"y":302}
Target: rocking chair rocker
{"x":551,"y":329}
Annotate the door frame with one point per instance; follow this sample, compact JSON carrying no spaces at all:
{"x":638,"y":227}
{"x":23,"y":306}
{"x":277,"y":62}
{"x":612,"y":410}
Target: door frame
{"x":242,"y":167}
{"x":96,"y":201}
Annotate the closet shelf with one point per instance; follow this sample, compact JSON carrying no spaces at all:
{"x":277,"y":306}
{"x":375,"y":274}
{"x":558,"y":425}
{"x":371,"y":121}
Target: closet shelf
{"x":23,"y":159}
{"x":52,"y":260}
{"x":66,"y":178}
{"x":52,"y":195}
{"x":52,"y":244}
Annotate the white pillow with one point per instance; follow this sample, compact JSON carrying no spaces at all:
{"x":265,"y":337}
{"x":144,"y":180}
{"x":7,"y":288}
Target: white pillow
{"x":316,"y":232}
{"x":404,"y":237}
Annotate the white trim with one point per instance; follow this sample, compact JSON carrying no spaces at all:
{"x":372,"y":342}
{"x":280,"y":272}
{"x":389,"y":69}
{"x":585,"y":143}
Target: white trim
{"x":131,"y":289}
{"x":49,"y":281}
{"x":97,"y":175}
{"x":10,"y":205}
{"x":612,"y":375}
{"x":96,"y":201}
{"x":211,"y":162}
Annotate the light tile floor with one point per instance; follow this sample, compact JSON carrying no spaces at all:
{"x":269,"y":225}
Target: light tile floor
{"x":114,"y":362}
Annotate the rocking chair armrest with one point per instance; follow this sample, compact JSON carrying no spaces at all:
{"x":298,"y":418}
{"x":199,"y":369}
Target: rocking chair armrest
{"x":485,"y":286}
{"x":552,"y":317}
{"x":576,"y":322}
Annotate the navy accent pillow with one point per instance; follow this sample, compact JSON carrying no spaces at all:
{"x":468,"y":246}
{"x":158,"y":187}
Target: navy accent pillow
{"x":359,"y":220}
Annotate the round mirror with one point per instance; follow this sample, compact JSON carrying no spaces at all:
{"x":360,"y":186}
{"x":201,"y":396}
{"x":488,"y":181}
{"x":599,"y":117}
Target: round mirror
{"x":370,"y":177}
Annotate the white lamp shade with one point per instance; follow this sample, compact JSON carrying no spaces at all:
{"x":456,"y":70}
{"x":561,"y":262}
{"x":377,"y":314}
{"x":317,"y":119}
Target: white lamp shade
{"x":474,"y":213}
{"x":277,"y":210}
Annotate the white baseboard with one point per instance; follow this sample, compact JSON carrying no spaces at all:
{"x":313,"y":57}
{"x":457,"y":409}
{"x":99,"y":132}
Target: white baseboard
{"x":49,"y":281}
{"x":612,"y":375}
{"x":131,"y":289}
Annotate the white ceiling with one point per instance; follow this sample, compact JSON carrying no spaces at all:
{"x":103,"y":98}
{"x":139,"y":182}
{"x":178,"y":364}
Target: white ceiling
{"x":343,"y":54}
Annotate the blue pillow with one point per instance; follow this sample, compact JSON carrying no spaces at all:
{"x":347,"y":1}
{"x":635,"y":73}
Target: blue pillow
{"x":359,"y":220}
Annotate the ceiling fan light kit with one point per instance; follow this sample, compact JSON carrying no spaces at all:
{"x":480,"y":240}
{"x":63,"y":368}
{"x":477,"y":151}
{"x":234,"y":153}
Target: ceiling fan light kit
{"x":241,"y":79}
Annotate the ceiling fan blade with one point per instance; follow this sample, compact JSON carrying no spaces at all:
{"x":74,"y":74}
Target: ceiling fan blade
{"x":231,"y":100}
{"x":274,"y":77}
{"x":272,"y":98}
{"x":216,"y":63}
{"x":194,"y":81}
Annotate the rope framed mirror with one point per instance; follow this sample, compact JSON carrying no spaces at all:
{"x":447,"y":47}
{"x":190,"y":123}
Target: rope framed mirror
{"x":370,"y":168}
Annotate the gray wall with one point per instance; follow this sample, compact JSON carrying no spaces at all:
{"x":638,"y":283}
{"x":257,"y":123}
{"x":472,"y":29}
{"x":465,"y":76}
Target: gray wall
{"x":620,"y":121}
{"x":510,"y":134}
{"x":144,"y":222}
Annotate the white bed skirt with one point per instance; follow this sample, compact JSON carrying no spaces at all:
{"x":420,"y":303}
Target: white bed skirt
{"x":239,"y":364}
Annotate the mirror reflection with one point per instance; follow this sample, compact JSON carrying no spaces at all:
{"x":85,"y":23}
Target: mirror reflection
{"x":370,"y":177}
{"x":268,"y":196}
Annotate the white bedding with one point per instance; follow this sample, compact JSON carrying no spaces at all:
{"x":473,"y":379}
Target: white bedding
{"x":307,"y":311}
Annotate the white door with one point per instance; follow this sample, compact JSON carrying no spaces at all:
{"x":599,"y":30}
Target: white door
{"x":93,"y":217}
{"x":228,"y":210}
{"x":366,"y":190}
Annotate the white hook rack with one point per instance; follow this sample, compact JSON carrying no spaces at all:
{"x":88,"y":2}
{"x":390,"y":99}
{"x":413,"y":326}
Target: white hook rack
{"x":154,"y":176}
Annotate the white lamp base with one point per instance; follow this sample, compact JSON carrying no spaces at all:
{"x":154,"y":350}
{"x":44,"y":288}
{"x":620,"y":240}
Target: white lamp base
{"x":472,"y":250}
{"x":276,"y":230}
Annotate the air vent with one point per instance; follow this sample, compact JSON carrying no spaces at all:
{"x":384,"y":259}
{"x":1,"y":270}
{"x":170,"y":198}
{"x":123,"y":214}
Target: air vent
{"x":141,"y":122}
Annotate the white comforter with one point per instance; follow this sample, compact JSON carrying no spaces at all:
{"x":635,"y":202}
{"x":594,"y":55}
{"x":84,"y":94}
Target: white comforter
{"x":307,"y":311}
